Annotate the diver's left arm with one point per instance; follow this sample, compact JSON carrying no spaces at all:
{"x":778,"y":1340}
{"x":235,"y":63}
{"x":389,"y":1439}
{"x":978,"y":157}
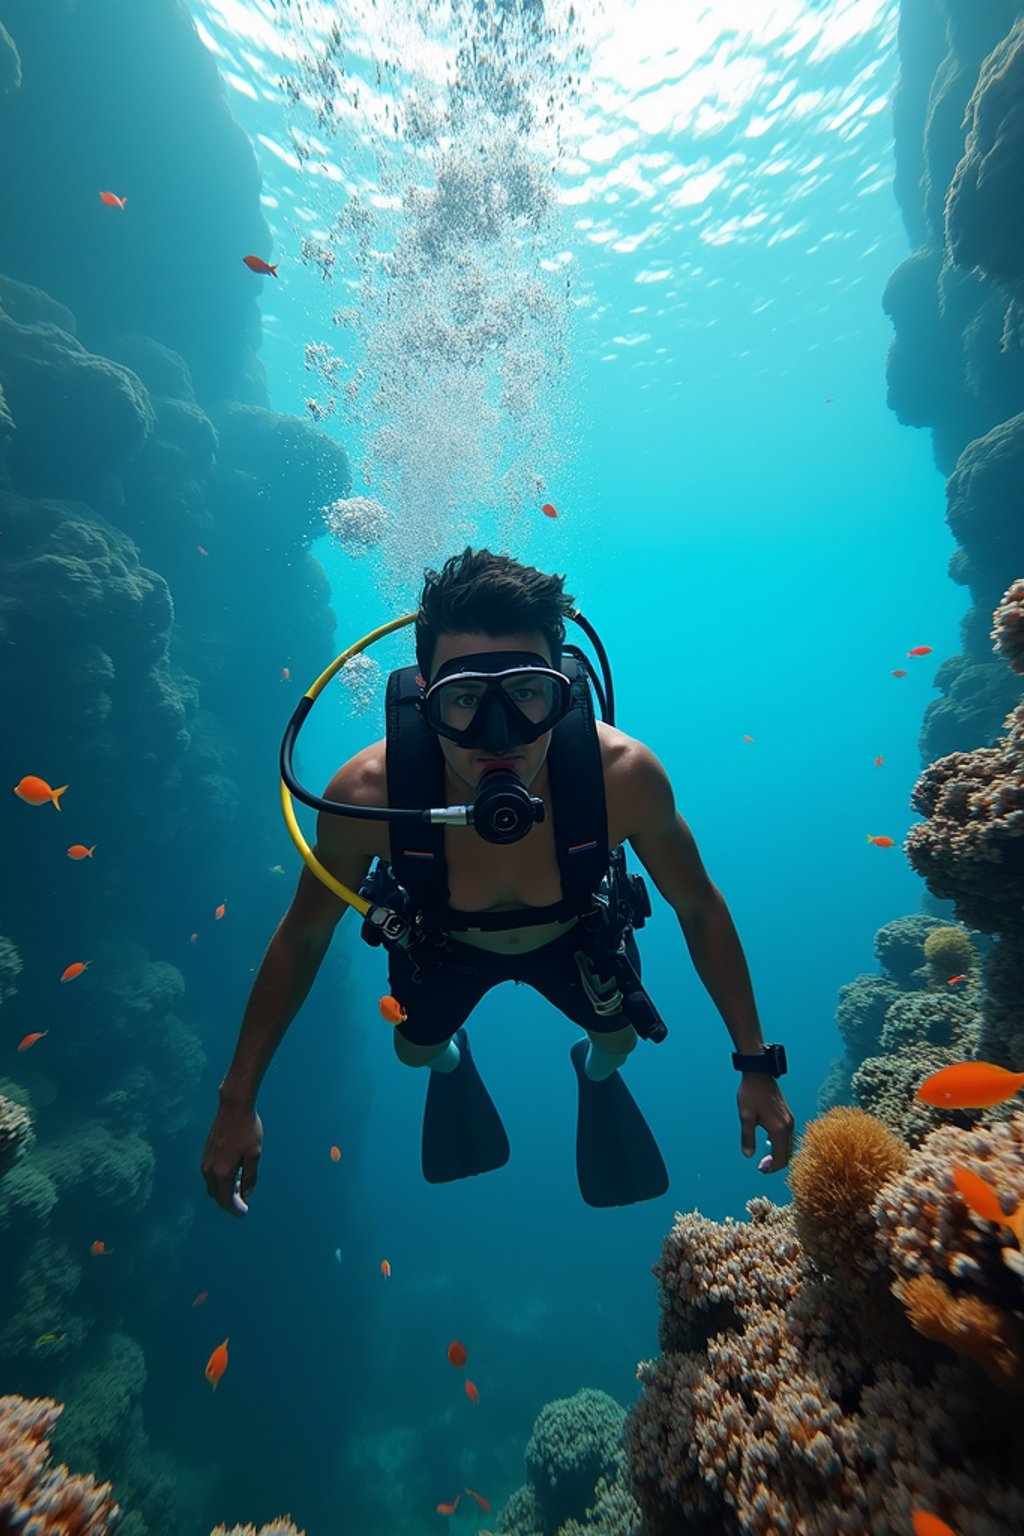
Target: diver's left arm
{"x":665,"y":846}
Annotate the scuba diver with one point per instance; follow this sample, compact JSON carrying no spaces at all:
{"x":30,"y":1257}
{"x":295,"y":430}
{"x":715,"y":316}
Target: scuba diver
{"x":482,"y":841}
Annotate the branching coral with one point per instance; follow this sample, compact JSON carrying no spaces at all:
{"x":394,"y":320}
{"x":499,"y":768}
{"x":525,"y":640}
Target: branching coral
{"x":36,"y":1496}
{"x":15,"y":1133}
{"x":949,"y":952}
{"x":281,"y":1527}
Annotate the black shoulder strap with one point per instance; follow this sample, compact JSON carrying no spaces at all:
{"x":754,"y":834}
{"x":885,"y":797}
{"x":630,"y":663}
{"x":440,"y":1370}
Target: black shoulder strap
{"x":415,"y":773}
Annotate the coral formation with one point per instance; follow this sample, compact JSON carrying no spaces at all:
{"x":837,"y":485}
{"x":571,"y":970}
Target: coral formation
{"x":15,"y":1133}
{"x":36,"y":1496}
{"x":281,"y":1527}
{"x":1008,"y":626}
{"x":900,"y":946}
{"x":949,"y":952}
{"x":574,"y":1443}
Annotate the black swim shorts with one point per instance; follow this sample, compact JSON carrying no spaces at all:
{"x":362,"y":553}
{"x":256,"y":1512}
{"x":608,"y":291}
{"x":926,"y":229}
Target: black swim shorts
{"x":445,"y":995}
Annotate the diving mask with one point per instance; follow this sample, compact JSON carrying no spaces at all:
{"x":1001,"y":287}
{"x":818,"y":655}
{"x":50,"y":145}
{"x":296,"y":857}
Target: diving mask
{"x":496,"y":699}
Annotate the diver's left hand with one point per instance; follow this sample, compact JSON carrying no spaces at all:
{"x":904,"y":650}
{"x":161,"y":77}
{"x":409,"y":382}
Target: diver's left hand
{"x":760,"y":1103}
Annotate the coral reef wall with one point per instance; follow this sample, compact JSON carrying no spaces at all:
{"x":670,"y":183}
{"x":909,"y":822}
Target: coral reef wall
{"x":956,"y":364}
{"x":156,"y":578}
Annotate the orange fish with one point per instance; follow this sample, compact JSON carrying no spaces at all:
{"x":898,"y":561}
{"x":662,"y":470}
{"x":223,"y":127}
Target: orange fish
{"x":879,"y":761}
{"x":36,"y":791}
{"x":449,"y":1509}
{"x":335,"y":1154}
{"x":749,"y":738}
{"x":200,"y":1298}
{"x":31,"y":1039}
{"x":257,"y":264}
{"x":457,"y":1354}
{"x":930,"y":1525}
{"x":881,"y":842}
{"x":471,"y":1392}
{"x":80,"y":851}
{"x":920,"y":650}
{"x":548,"y":510}
{"x":392,"y":1010}
{"x":480,"y":1500}
{"x":954,"y":979}
{"x":980,"y":1196}
{"x":112,"y":200}
{"x":970,"y":1085}
{"x":385,"y":1269}
{"x":217,"y":1364}
{"x":218,"y":912}
{"x":98,"y":1247}
{"x":75,"y":970}
{"x":286,"y":673}
{"x":899,"y":672}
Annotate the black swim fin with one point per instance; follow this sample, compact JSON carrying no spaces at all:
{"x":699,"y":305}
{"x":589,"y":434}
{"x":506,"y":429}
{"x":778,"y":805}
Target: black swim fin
{"x":462,"y":1130}
{"x":617,"y":1157}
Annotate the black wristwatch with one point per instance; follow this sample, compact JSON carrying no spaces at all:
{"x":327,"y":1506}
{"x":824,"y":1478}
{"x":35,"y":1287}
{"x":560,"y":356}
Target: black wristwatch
{"x":772,"y":1059}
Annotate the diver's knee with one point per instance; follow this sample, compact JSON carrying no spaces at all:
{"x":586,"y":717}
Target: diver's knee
{"x":412,"y":1055}
{"x":617,"y":1042}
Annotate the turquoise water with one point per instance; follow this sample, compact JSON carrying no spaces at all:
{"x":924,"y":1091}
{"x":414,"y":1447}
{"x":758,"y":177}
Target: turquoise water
{"x":694,"y":304}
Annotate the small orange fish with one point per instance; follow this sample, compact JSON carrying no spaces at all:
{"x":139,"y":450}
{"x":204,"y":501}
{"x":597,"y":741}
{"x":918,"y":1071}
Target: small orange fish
{"x":879,"y":761}
{"x":80,"y":851}
{"x":881,"y":842}
{"x":75,"y":970}
{"x":980,"y":1196}
{"x":218,"y":912}
{"x":98,"y":1247}
{"x":392,"y":1010}
{"x":286,"y":673}
{"x":217,"y":1364}
{"x":198,"y":1301}
{"x":385,"y":1269}
{"x":749,"y":738}
{"x":970,"y":1085}
{"x":257,"y":264}
{"x":36,"y":791}
{"x":31,"y":1039}
{"x":112,"y":200}
{"x":203,"y":551}
{"x":335,"y":1154}
{"x":471,"y":1392}
{"x":548,"y":510}
{"x":449,"y":1509}
{"x":480,"y":1500}
{"x":920,"y":650}
{"x":954,"y":979}
{"x":457,"y":1354}
{"x":930,"y":1525}
{"x":899,"y":672}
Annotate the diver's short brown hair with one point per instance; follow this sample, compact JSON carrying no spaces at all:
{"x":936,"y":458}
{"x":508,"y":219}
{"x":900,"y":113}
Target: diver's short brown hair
{"x":478,"y":592}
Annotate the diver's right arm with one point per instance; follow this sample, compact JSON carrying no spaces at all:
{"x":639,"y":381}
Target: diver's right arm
{"x":282,"y":984}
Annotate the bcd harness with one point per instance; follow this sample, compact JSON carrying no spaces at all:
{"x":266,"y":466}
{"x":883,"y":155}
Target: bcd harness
{"x":410,"y":897}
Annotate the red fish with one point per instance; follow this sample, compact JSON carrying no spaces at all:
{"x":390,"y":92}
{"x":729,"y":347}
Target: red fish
{"x":548,"y":510}
{"x":449,"y":1509}
{"x":471,"y":1392}
{"x":112,"y":200}
{"x":457,"y":1354}
{"x":36,"y":791}
{"x":879,"y":761}
{"x":970,"y":1085}
{"x":75,"y":970}
{"x":335,"y":1154}
{"x":749,"y":738}
{"x":99,"y":1247}
{"x":954,"y":979}
{"x":480,"y":1500}
{"x":198,"y":1301}
{"x":80,"y":851}
{"x":392,"y":1010}
{"x":385,"y":1269}
{"x":899,"y":672}
{"x":31,"y":1039}
{"x":920,"y":650}
{"x":881,"y":842}
{"x":980,"y":1196}
{"x":930,"y":1525}
{"x":257,"y":264}
{"x":217,"y":1364}
{"x":218,"y":912}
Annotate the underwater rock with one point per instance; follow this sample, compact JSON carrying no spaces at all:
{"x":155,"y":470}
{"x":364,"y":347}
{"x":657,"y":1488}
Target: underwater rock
{"x":984,"y":210}
{"x":15,"y":1133}
{"x":575,"y":1442}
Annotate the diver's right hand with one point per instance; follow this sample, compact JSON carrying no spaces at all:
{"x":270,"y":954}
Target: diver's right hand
{"x":231,"y":1158}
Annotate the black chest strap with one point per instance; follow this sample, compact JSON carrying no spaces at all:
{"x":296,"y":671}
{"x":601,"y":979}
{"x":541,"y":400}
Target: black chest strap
{"x":415,"y":771}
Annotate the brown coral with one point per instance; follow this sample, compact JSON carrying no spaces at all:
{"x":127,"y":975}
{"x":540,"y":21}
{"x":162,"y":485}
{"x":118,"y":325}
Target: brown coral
{"x":846,"y":1157}
{"x":40,"y":1497}
{"x":281,"y":1527}
{"x":1008,"y":627}
{"x":949,"y":952}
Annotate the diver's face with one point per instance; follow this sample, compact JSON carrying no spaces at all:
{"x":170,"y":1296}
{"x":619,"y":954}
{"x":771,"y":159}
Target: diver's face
{"x":469,"y":764}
